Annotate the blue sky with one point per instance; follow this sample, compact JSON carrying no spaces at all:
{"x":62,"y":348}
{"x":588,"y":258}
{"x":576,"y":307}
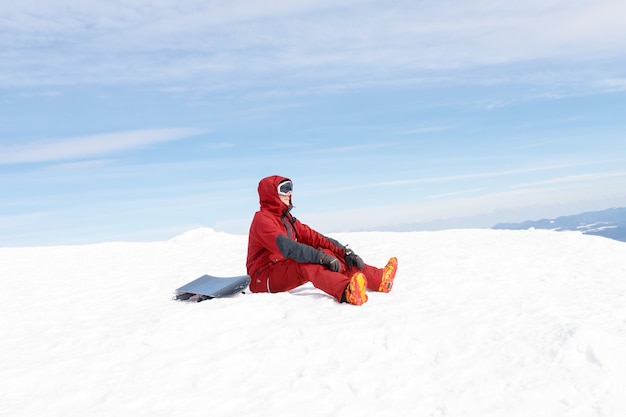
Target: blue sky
{"x":138,"y":120}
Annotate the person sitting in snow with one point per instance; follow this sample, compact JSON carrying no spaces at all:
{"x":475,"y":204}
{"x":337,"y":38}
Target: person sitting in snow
{"x":284,"y":253}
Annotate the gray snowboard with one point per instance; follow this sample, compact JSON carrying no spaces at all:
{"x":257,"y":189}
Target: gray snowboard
{"x":207,"y":287}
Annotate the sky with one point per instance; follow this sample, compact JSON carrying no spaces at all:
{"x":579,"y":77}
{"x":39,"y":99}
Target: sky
{"x":138,"y":120}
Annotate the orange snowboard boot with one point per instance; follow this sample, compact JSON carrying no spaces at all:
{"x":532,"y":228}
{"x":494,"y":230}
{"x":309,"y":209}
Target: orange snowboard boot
{"x":355,"y":291}
{"x":389,"y":273}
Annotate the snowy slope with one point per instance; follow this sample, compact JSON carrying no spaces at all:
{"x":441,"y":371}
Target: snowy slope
{"x":480,"y":323}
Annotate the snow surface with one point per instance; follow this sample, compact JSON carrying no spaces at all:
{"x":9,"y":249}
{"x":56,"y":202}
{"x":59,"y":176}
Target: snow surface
{"x":480,"y":323}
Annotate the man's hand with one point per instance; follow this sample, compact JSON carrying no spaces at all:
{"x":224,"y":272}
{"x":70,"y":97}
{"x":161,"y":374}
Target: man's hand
{"x":329,"y":261}
{"x":352,"y":259}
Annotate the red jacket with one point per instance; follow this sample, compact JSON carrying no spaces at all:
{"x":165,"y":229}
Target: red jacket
{"x":275,"y":235}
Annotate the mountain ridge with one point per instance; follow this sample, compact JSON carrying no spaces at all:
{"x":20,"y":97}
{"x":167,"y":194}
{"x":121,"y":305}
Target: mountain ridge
{"x":609,"y":223}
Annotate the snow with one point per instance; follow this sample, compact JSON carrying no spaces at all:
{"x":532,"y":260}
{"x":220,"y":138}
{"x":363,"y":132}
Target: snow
{"x":596,"y":227}
{"x":479,"y":323}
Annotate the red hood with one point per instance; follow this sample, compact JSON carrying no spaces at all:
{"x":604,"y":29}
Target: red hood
{"x":268,"y":194}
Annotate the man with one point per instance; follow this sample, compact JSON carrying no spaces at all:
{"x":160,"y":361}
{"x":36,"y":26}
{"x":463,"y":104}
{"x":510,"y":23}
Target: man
{"x":284,"y":253}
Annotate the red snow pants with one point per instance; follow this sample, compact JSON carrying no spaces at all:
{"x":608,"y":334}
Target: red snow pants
{"x":288,"y":274}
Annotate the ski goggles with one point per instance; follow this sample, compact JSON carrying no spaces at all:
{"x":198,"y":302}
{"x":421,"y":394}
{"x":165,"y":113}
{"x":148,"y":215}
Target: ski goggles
{"x":285,"y":188}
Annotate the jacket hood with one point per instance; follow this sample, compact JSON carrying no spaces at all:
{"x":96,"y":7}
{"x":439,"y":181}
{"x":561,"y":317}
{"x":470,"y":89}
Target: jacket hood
{"x":268,"y":194}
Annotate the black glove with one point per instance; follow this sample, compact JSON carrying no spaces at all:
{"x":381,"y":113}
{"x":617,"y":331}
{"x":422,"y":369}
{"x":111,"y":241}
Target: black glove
{"x":352,"y":259}
{"x":329,"y":261}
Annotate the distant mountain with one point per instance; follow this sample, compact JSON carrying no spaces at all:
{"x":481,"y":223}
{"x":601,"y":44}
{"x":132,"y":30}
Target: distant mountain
{"x":609,"y":223}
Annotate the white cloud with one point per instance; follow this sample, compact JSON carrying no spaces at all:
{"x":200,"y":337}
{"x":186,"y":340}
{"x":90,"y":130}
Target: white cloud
{"x":189,"y":41}
{"x":613,"y":84}
{"x":90,"y":146}
{"x":573,"y":179}
{"x":427,"y":129}
{"x":462,"y":177}
{"x":454,"y":194}
{"x":483,"y":207}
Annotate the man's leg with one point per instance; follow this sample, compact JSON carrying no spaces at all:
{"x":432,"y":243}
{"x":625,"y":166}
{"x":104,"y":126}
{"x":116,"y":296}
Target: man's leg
{"x":289,"y":275}
{"x":381,"y":279}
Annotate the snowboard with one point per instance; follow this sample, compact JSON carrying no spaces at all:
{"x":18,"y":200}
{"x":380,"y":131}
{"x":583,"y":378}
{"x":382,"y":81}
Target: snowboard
{"x":208,"y":287}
